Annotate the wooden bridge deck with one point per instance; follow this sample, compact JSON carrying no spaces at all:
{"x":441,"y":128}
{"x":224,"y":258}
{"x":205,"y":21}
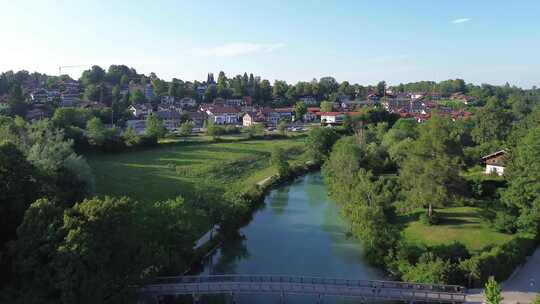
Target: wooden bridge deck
{"x":255,"y":284}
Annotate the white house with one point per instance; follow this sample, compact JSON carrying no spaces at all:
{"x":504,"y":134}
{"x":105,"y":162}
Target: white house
{"x":140,"y":111}
{"x":332,"y":118}
{"x":223,"y":115}
{"x":495,"y":162}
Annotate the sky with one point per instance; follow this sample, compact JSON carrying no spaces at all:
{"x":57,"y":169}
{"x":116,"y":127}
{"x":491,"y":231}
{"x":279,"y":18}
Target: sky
{"x":359,"y":41}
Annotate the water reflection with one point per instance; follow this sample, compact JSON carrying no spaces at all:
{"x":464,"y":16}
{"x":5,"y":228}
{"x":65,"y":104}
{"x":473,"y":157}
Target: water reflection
{"x":299,"y":233}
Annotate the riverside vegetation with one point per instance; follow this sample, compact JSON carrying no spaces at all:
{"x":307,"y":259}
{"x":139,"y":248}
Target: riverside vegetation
{"x":415,"y":195}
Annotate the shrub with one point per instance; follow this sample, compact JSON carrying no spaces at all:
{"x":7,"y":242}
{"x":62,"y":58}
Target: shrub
{"x":505,"y":222}
{"x":427,"y":220}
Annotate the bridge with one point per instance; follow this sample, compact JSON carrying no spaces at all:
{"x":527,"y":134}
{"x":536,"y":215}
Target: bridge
{"x":365,"y":290}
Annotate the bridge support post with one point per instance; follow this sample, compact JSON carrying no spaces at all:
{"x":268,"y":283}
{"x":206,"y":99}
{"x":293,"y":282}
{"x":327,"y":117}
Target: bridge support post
{"x":233,"y":299}
{"x":319,"y":299}
{"x":196,"y":298}
{"x":282,"y":298}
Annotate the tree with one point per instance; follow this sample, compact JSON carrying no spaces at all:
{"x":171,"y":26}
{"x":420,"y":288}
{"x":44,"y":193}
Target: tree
{"x":18,"y":189}
{"x":137,"y":97}
{"x":492,"y":292}
{"x":16,"y":102}
{"x":255,"y":130}
{"x":523,"y":172}
{"x":381,"y":88}
{"x":278,"y":159}
{"x":537,"y":300}
{"x":212,"y":129}
{"x":282,"y":127}
{"x":102,"y":255}
{"x":430,"y":173}
{"x":319,"y":143}
{"x":154,"y":127}
{"x":96,"y":132}
{"x":186,"y":128}
{"x":300,"y":109}
{"x":93,"y":76}
{"x":92,"y":92}
{"x":491,"y":123}
{"x":38,"y":238}
{"x":130,"y":137}
{"x":327,"y":106}
{"x":429,"y":269}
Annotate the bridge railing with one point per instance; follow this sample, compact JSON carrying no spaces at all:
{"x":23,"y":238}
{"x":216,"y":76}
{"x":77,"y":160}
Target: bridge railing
{"x":309,"y":280}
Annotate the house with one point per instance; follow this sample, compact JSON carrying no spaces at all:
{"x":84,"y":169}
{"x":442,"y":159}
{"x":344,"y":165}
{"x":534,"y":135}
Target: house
{"x":278,"y":114}
{"x":148,"y":92}
{"x":69,"y":98}
{"x":4,"y":105}
{"x":495,"y":162}
{"x":137,"y":125}
{"x":166,"y":99}
{"x":171,"y":119}
{"x":309,"y":100}
{"x":37,"y":112}
{"x":332,"y":118}
{"x":223,"y":115}
{"x":311,"y":114}
{"x":39,"y":96}
{"x":234,"y":102}
{"x":198,"y":118}
{"x":462,"y":98}
{"x":140,"y":111}
{"x":252,"y":118}
{"x":187,"y":102}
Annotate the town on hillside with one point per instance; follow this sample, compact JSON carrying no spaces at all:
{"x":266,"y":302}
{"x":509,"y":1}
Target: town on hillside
{"x":131,"y":98}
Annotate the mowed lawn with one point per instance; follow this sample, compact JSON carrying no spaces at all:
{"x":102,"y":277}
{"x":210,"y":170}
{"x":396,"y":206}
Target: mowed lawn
{"x":170,"y":170}
{"x":463,"y":224}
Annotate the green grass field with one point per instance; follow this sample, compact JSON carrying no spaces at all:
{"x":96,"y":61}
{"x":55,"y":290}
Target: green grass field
{"x":463,"y":224}
{"x":178,"y":168}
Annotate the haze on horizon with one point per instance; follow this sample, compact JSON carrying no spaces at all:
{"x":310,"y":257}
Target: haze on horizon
{"x":359,"y":41}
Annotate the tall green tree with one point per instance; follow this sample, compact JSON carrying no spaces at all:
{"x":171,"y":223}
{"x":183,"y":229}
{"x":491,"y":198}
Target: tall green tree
{"x":154,"y":127}
{"x":319,"y":143}
{"x":16,"y":101}
{"x":523,"y":175}
{"x":19,"y":187}
{"x":102,"y":255}
{"x":278,"y":159}
{"x":492,"y":292}
{"x":327,"y":106}
{"x":38,"y":238}
{"x":430,"y":173}
{"x":492,"y":122}
{"x":300,"y":109}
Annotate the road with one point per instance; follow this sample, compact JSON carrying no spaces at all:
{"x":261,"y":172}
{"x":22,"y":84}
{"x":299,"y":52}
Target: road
{"x":521,"y":287}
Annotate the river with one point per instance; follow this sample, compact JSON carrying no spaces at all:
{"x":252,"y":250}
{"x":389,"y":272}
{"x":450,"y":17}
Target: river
{"x":300,"y":232}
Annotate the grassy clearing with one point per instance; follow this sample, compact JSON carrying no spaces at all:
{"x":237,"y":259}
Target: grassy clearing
{"x":463,"y":224}
{"x":178,"y":168}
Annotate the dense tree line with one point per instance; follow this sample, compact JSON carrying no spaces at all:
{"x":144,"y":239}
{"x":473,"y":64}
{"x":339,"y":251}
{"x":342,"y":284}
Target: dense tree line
{"x":381,"y":169}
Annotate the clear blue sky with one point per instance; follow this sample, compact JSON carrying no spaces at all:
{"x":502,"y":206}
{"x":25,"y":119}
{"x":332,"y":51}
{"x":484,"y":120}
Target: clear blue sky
{"x":360,"y":41}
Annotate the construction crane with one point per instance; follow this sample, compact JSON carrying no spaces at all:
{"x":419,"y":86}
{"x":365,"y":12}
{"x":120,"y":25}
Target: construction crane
{"x":68,"y":66}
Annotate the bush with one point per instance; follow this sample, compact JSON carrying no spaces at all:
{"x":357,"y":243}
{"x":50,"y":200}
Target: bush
{"x":426,"y":220}
{"x":148,"y":141}
{"x":505,"y":222}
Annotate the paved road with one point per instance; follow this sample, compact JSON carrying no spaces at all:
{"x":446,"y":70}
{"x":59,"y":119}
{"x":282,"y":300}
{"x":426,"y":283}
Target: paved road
{"x":521,"y":287}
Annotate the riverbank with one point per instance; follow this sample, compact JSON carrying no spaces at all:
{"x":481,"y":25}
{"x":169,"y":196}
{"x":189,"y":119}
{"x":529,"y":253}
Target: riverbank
{"x":298,"y":231}
{"x":255,"y":196}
